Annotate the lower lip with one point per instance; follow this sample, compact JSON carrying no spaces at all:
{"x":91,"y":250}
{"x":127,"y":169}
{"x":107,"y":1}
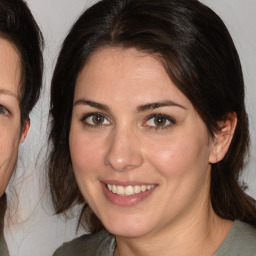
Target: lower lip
{"x":125,"y":201}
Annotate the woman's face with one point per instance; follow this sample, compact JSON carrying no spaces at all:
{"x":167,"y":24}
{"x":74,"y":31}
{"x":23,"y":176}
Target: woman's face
{"x":10,"y":130}
{"x":140,"y":151}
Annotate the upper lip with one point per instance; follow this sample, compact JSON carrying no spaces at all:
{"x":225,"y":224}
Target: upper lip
{"x":126,"y":183}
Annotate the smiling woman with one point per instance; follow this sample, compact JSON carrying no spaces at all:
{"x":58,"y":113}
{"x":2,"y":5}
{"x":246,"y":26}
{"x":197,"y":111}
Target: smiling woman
{"x":149,"y":132}
{"x":138,"y":144}
{"x":20,"y":84}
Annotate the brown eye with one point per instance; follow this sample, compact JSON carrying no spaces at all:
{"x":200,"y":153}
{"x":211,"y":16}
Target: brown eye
{"x":160,"y":121}
{"x":98,"y":119}
{"x":95,"y":119}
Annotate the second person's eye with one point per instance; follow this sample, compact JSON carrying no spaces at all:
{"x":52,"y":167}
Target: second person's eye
{"x":4,"y":110}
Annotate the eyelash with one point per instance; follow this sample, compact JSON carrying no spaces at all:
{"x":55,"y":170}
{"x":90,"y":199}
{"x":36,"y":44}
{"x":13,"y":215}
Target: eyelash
{"x":166,"y":118}
{"x":4,"y":110}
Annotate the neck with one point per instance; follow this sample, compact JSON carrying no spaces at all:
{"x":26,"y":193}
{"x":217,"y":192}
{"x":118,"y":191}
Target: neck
{"x":187,"y":236}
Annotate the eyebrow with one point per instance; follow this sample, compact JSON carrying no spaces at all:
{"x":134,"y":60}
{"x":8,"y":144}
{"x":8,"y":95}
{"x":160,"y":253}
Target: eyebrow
{"x":141,"y":108}
{"x":154,"y":105}
{"x":7,"y":92}
{"x":92,"y":104}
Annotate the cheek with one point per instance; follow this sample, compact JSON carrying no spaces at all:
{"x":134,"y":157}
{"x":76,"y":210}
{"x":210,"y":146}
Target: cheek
{"x":84,"y":152}
{"x":87,"y":165}
{"x":9,"y":143}
{"x":182,"y":165}
{"x":181,"y":154}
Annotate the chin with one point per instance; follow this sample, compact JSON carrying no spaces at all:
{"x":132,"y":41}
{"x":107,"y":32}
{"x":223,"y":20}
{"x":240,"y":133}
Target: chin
{"x":125,"y":227}
{"x":127,"y":232}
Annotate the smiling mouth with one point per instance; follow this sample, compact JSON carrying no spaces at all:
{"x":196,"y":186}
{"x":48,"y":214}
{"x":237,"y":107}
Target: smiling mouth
{"x":129,"y":190}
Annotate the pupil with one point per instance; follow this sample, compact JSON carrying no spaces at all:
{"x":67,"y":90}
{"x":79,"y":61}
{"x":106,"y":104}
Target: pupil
{"x":97,"y":119}
{"x":160,"y":121}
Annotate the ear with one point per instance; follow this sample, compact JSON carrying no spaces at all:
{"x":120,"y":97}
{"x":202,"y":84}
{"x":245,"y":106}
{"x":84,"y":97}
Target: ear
{"x":25,"y":131}
{"x":223,"y":137}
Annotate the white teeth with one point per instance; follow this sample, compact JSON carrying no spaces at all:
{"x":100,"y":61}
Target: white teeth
{"x":113,"y":188}
{"x":120,"y":190}
{"x":137,"y":189}
{"x":129,"y":190}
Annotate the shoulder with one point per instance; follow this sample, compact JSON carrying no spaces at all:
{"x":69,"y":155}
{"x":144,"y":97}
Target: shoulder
{"x":245,"y":233}
{"x":240,"y":241}
{"x":101,"y":243}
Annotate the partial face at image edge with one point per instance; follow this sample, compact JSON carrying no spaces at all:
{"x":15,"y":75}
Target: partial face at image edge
{"x":11,"y":132}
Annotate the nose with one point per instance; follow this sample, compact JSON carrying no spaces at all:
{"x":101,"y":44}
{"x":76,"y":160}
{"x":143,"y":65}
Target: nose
{"x":123,"y":151}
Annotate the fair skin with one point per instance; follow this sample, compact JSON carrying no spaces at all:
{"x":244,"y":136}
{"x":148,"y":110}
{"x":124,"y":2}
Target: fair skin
{"x":11,"y":134}
{"x":142,"y":157}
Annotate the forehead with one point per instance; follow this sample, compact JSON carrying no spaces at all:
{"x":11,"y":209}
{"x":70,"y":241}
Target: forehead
{"x":10,"y":68}
{"x":126,"y":75}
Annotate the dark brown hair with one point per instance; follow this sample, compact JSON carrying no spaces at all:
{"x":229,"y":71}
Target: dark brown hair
{"x":18,"y":26}
{"x":199,"y":56}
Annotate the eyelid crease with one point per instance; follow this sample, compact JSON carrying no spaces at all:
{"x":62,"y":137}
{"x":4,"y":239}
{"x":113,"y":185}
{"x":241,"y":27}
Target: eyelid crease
{"x":169,"y":118}
{"x":91,"y":114}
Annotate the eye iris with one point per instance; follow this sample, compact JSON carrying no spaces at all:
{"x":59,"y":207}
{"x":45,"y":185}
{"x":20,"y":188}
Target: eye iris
{"x":160,"y":121}
{"x":3,"y":110}
{"x":97,"y":119}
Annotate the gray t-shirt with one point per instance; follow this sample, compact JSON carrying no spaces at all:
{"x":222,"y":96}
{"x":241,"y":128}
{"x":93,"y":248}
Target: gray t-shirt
{"x":240,"y":241}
